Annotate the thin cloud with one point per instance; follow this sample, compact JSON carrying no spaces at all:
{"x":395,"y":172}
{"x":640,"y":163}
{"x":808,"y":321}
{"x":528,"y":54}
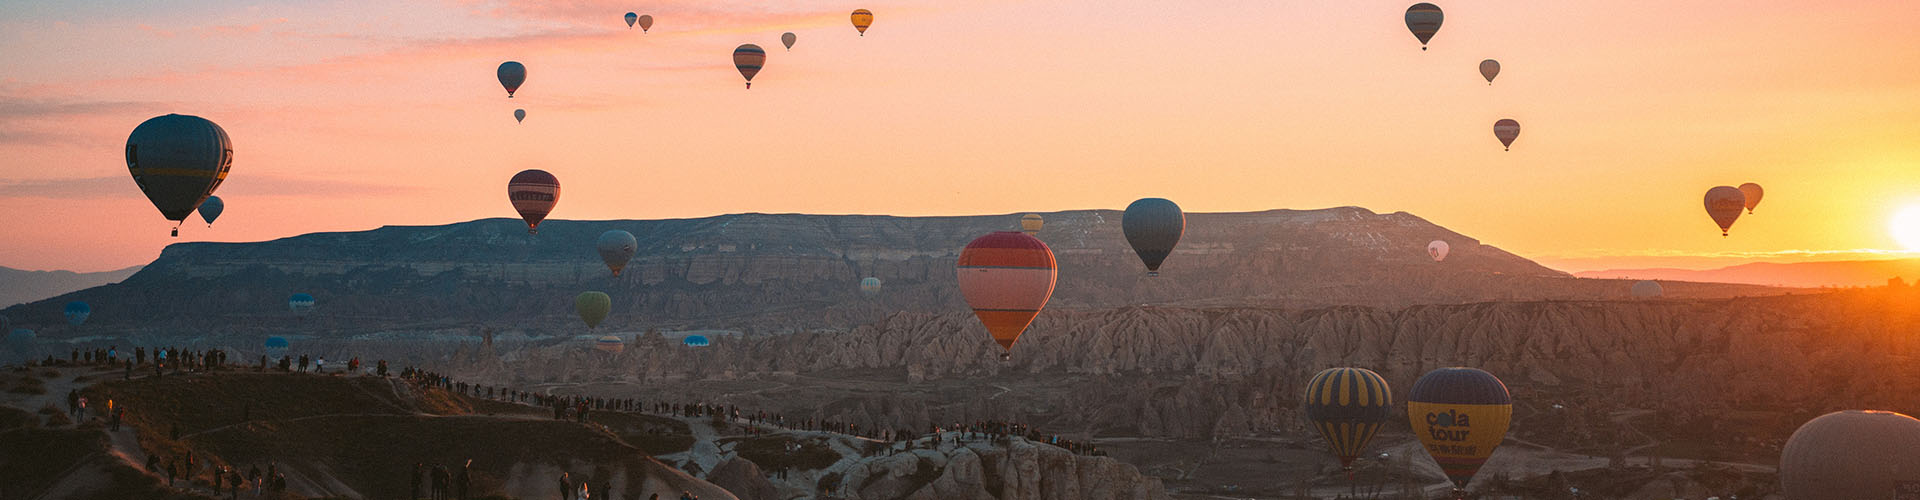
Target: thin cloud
{"x":93,"y":188}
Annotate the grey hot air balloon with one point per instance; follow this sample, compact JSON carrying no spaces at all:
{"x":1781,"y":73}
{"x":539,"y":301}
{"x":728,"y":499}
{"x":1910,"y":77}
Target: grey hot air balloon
{"x":1506,"y":130}
{"x":1724,"y":204}
{"x":1423,"y":19}
{"x":1489,"y":69}
{"x":1753,"y":194}
{"x":788,"y":38}
{"x":511,"y":75}
{"x":1153,"y":227}
{"x":1647,"y":289}
{"x":631,"y":17}
{"x":178,"y":160}
{"x":210,"y":209}
{"x":519,"y":115}
{"x":616,"y":247}
{"x":1852,"y":455}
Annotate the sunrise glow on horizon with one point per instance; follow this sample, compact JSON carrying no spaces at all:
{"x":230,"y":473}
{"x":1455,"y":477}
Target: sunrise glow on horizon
{"x":391,"y":115}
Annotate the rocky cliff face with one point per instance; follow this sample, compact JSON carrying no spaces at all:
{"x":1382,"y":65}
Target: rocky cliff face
{"x":791,"y":272}
{"x":1021,"y":471}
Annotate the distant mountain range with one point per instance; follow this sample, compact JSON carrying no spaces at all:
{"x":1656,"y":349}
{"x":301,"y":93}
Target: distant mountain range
{"x":19,"y":287}
{"x":1797,"y":274}
{"x":789,"y":272}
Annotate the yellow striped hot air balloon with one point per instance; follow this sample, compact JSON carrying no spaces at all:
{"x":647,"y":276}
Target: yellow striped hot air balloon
{"x":1031,"y":224}
{"x":862,"y":18}
{"x":1348,"y":406}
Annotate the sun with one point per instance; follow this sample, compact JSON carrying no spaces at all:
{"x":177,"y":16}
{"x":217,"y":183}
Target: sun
{"x":1905,"y":227}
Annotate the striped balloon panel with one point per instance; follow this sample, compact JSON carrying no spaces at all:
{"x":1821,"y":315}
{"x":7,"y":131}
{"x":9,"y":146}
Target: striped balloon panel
{"x":1348,"y":406}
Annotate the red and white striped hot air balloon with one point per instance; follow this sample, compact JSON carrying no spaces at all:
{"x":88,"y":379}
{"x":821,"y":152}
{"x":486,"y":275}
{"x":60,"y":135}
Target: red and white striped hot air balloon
{"x":1007,"y":277}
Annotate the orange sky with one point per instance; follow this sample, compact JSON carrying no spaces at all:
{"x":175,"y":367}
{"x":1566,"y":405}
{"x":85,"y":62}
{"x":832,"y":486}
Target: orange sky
{"x":359,"y":114}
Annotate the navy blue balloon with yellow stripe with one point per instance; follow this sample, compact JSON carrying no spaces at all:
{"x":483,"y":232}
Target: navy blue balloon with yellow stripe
{"x":1348,"y":405}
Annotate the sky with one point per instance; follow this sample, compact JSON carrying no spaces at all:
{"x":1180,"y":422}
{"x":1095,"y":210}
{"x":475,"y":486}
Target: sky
{"x":350,"y":115}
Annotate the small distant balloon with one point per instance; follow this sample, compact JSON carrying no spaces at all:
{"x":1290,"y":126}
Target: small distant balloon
{"x":1031,"y":224}
{"x":592,"y":307}
{"x":646,"y":23}
{"x":748,"y":58}
{"x":788,"y":38}
{"x":1724,"y":204}
{"x":1506,"y":130}
{"x":77,"y":312}
{"x":1153,"y":227}
{"x":276,"y":344}
{"x":1489,"y":69}
{"x":1647,"y":289}
{"x":870,"y":286}
{"x":616,"y":247}
{"x":511,"y":75}
{"x":1753,"y":193}
{"x":534,"y":194}
{"x":210,"y":209}
{"x":696,"y":341}
{"x":862,"y":18}
{"x":1438,"y":250}
{"x":631,"y":18}
{"x":301,"y":303}
{"x":1423,"y":19}
{"x":610,"y":344}
{"x":519,"y":115}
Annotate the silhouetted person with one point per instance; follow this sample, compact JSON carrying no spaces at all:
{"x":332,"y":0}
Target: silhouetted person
{"x":173,"y":471}
{"x":464,"y":481}
{"x":413,"y":483}
{"x":440,"y":480}
{"x":566,"y":487}
{"x":253,"y":476}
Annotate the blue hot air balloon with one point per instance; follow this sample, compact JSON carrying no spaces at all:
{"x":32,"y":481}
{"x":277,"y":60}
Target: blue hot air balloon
{"x":20,"y":338}
{"x":77,"y":312}
{"x":696,"y":341}
{"x":300,"y":303}
{"x":276,"y":345}
{"x":1153,"y":226}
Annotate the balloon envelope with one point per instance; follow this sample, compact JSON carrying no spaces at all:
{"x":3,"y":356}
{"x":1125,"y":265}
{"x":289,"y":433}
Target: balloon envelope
{"x":616,"y":247}
{"x":511,"y":75}
{"x":592,"y":307}
{"x":1506,"y":130}
{"x":1031,"y":224}
{"x":1423,"y":19}
{"x":1153,"y":227}
{"x":1724,"y":204}
{"x":646,"y":22}
{"x":870,"y":285}
{"x":1438,"y":250}
{"x":748,"y":59}
{"x":1854,"y":454}
{"x":178,"y":161}
{"x":533,"y":193}
{"x":631,"y":17}
{"x":788,"y":38}
{"x":301,"y":303}
{"x":1006,"y":278}
{"x":610,"y":344}
{"x":77,"y":312}
{"x":1460,"y":415}
{"x":519,"y":115}
{"x":1489,"y":69}
{"x":862,"y":18}
{"x":696,"y":341}
{"x":1753,"y":193}
{"x":20,"y":337}
{"x":1647,"y":289}
{"x":210,"y":209}
{"x":1348,"y":406}
{"x":276,"y":343}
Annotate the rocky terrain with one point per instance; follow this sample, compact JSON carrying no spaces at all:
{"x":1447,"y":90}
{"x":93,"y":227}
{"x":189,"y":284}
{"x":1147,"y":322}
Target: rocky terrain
{"x":783,"y":273}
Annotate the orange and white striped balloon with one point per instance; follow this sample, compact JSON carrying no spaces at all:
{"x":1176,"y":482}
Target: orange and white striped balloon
{"x":1007,"y":277}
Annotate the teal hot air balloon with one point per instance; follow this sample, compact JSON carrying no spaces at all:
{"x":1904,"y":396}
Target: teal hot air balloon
{"x":276,"y":346}
{"x":20,"y":339}
{"x":210,"y":209}
{"x":511,"y":75}
{"x":1348,"y":406}
{"x":1153,"y":226}
{"x":77,"y":312}
{"x":301,"y":303}
{"x":632,"y":18}
{"x":696,"y":341}
{"x":178,"y":160}
{"x":870,"y":286}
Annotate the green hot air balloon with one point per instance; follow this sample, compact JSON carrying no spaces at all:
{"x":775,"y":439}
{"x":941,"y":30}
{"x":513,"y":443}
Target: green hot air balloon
{"x":593,"y":307}
{"x":1348,"y":405}
{"x":178,"y":160}
{"x":1153,"y":226}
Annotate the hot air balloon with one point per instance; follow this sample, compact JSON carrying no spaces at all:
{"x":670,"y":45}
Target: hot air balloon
{"x":862,"y":18}
{"x":1348,"y":405}
{"x":1849,"y":455}
{"x":1724,"y":204}
{"x":748,"y":58}
{"x":1006,"y":277}
{"x":870,"y":286}
{"x":77,"y":312}
{"x":301,"y":303}
{"x":1031,"y":224}
{"x":646,"y":23}
{"x":1423,"y":19}
{"x":1506,"y":130}
{"x":210,"y":209}
{"x":533,"y":193}
{"x":1153,"y":226}
{"x":511,"y":74}
{"x":788,"y":38}
{"x":1461,"y":415}
{"x":20,"y":339}
{"x":519,"y":115}
{"x":1753,"y":193}
{"x":1438,"y":250}
{"x":1647,"y":289}
{"x":276,"y":345}
{"x":1489,"y":68}
{"x":178,"y":160}
{"x":631,"y":17}
{"x":696,"y":341}
{"x":616,"y":247}
{"x":593,"y":307}
{"x":610,"y":344}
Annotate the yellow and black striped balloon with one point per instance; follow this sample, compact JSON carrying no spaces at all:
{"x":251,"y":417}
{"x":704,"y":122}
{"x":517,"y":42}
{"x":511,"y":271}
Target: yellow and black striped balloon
{"x":1348,"y":405}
